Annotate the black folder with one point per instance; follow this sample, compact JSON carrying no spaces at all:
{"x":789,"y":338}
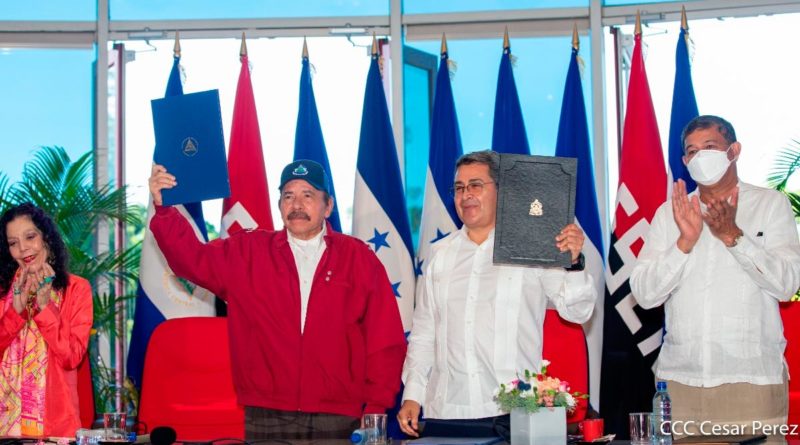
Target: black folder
{"x":536,"y":199}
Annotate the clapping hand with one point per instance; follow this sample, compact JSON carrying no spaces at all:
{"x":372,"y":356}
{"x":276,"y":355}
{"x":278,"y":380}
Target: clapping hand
{"x":687,"y":215}
{"x":721,"y":217}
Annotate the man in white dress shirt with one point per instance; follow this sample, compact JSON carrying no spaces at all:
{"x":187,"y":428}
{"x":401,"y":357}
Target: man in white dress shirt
{"x":478,"y":324}
{"x":720,"y":260}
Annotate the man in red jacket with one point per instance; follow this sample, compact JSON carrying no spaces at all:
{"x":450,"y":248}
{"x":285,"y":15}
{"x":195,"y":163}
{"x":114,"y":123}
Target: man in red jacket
{"x":316,"y":336}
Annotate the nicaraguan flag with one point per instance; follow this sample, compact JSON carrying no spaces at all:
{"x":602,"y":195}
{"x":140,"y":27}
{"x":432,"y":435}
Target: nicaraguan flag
{"x":439,"y":217}
{"x":379,"y":211}
{"x":508,"y":135}
{"x":684,"y":109}
{"x":573,"y":141}
{"x":161,"y":295}
{"x":632,"y":335}
{"x":308,"y":140}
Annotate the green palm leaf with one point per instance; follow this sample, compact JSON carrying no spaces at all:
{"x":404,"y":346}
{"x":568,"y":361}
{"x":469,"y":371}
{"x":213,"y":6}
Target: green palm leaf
{"x":786,"y":162}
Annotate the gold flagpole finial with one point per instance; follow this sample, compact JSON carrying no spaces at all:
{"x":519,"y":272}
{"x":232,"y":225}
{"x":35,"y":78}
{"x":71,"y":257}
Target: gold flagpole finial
{"x":684,"y":22}
{"x":638,"y":29}
{"x":305,"y":48}
{"x":374,"y":44}
{"x":177,"y":48}
{"x":506,"y":41}
{"x":243,"y":48}
{"x":444,"y":44}
{"x":576,"y":42}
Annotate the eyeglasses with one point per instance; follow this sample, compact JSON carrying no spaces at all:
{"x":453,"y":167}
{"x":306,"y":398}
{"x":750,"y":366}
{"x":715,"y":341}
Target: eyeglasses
{"x":472,"y":187}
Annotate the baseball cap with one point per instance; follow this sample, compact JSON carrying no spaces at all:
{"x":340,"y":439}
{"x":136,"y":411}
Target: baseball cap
{"x":307,"y":170}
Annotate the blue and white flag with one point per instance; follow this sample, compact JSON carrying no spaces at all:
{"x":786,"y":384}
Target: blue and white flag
{"x":573,"y":141}
{"x":684,"y":109}
{"x":439,"y":217}
{"x":379,"y":211}
{"x":160,"y":295}
{"x":508,"y":135}
{"x":308,"y":140}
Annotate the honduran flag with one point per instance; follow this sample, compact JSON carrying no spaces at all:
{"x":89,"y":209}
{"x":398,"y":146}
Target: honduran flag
{"x":160,"y":295}
{"x":439,"y":217}
{"x":573,"y":141}
{"x":508,"y":134}
{"x":379,"y":211}
{"x":308,"y":140}
{"x":684,"y":107}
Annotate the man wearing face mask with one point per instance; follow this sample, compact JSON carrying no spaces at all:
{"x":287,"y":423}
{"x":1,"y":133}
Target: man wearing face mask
{"x":720,"y":260}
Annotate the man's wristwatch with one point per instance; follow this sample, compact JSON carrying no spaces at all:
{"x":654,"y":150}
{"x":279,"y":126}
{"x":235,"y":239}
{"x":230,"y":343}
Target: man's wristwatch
{"x":578,"y":266}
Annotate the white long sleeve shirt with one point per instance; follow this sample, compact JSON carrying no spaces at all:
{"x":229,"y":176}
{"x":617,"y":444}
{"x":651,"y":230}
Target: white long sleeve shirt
{"x":307,"y":254}
{"x":721,"y":304}
{"x":478,"y":325}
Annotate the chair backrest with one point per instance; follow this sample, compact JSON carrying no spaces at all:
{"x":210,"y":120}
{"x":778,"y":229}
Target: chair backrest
{"x":565,"y":347}
{"x":790,"y":313}
{"x":187,"y":381}
{"x":86,"y":393}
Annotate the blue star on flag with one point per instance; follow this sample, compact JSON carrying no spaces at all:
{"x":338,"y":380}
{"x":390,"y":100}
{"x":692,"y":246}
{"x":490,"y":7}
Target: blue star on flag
{"x":396,"y":289}
{"x":379,"y":240}
{"x":439,"y":235}
{"x":418,"y":267}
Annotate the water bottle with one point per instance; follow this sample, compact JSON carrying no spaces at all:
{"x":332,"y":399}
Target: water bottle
{"x":361,"y":435}
{"x":662,"y":416}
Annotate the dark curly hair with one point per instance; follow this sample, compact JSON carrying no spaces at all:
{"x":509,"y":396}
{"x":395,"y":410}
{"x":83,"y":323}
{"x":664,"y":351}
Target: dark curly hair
{"x":58,"y":257}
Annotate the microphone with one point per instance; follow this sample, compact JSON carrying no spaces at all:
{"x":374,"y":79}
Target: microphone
{"x":163,"y":435}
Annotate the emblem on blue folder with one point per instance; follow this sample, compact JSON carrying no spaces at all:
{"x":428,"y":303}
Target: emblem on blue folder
{"x":301,"y":170}
{"x":189,"y":146}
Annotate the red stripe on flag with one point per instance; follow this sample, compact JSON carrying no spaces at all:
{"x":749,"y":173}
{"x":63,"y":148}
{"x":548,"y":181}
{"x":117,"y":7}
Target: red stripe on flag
{"x":642,"y":169}
{"x":246,"y":170}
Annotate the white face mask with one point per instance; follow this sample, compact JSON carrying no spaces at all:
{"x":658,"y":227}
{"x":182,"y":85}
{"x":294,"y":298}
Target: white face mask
{"x":708,"y":166}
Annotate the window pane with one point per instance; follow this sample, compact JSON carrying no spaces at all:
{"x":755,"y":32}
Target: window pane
{"x":41,"y":107}
{"x":416,"y":109}
{"x":427,"y":6}
{"x":540,"y":73}
{"x":49,"y":10}
{"x":242,"y":9}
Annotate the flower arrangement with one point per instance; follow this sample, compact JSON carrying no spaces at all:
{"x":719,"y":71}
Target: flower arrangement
{"x":535,"y":390}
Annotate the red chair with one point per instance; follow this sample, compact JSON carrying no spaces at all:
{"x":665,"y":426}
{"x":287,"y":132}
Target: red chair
{"x":86,"y":393}
{"x":187,"y":381}
{"x":790,"y":313}
{"x":565,"y":347}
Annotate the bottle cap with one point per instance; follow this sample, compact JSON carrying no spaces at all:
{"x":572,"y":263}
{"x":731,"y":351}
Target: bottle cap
{"x":357,"y":436}
{"x":661,"y":386}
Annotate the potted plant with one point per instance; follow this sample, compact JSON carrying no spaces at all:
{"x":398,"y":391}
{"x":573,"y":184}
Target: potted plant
{"x":538,"y":404}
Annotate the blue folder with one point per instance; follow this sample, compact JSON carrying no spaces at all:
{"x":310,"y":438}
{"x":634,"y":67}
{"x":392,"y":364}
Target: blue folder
{"x":190,"y":144}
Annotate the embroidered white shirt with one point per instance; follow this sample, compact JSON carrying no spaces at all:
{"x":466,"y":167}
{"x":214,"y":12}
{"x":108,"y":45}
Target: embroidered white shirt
{"x":478,"y":324}
{"x":722,"y":317}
